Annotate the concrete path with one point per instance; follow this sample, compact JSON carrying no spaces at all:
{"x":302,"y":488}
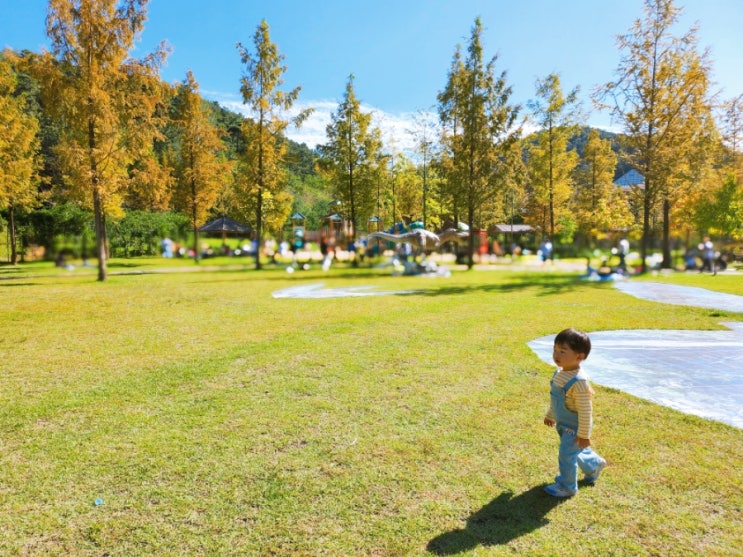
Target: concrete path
{"x":681,"y":295}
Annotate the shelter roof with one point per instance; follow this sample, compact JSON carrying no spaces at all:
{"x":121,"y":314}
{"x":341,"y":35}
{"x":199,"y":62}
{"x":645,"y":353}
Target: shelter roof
{"x":225,"y":225}
{"x":514,"y":228}
{"x":631,"y":178}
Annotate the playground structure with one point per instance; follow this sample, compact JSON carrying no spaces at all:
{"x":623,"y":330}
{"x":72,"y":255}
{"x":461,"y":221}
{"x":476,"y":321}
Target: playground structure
{"x":406,"y":243}
{"x":423,"y":240}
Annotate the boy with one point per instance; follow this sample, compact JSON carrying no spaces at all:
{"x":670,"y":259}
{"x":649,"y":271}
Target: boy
{"x":571,"y":410}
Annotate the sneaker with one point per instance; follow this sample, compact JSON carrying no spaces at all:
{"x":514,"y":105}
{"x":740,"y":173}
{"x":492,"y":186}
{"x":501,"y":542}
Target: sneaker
{"x":557,"y":490}
{"x":592,"y":477}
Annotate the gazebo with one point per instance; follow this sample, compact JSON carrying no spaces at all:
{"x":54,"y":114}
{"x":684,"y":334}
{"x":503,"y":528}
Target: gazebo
{"x":225,"y":226}
{"x":630,"y":179}
{"x":510,"y":231}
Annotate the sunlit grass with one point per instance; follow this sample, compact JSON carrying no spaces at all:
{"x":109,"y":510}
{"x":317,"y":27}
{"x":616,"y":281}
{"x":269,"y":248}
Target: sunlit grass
{"x":212,"y":419}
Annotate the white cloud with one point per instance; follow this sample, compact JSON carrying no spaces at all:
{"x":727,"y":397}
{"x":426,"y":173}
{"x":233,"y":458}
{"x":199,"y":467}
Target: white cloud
{"x":396,"y":128}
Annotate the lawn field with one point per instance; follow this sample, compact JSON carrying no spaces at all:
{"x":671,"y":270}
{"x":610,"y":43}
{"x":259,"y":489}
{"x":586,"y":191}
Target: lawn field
{"x":192,"y":413}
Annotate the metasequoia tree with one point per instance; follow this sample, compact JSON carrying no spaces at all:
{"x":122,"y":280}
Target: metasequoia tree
{"x":732,"y":130}
{"x":513,"y":198}
{"x":200,"y":169}
{"x":425,"y":134}
{"x":600,"y":205}
{"x":550,"y":163}
{"x":660,"y":98}
{"x":19,"y":153}
{"x":722,"y":208}
{"x":452,"y":183}
{"x":722,"y":212}
{"x":103,"y":98}
{"x":350,"y":158}
{"x":262,"y":175}
{"x":479,"y":127}
{"x":151,"y":179}
{"x":701,"y":173}
{"x":408,"y":188}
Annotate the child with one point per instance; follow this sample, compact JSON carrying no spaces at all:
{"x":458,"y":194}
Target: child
{"x":571,"y":410}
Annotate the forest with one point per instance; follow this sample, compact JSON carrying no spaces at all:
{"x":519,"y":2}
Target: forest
{"x":101,"y":157}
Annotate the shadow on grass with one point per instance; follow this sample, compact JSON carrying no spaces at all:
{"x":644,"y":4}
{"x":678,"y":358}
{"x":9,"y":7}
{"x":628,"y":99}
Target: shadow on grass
{"x":504,"y":519}
{"x":544,"y":285}
{"x":536,"y":284}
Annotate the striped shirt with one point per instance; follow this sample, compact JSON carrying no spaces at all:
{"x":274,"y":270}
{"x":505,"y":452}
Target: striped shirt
{"x":578,"y":399}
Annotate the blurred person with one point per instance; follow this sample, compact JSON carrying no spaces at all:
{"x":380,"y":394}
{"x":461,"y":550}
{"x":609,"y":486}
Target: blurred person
{"x":707,"y":251}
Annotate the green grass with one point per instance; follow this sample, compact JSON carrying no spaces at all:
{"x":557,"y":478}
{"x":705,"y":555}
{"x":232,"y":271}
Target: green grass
{"x":213,"y":419}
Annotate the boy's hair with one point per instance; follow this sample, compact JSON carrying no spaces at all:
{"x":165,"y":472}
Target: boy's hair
{"x":577,"y":341}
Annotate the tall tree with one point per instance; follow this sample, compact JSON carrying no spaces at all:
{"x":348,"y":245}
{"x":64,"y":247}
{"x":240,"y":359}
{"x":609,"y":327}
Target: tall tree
{"x":200,"y":168}
{"x":660,"y":98}
{"x":722,"y":212}
{"x":151,"y":183}
{"x":449,"y":100}
{"x":408,"y":188}
{"x":102,"y":97}
{"x":551,"y":164}
{"x":600,"y":205}
{"x":514,"y":196}
{"x":425,"y":135}
{"x":732,"y":131}
{"x":262,"y":174}
{"x":479,"y":126}
{"x":350,"y":158}
{"x":19,"y":153}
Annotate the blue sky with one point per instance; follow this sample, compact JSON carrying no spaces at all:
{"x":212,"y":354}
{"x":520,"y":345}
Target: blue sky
{"x":399,"y":50}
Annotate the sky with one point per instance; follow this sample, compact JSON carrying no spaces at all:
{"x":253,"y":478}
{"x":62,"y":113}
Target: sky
{"x":399,"y":51}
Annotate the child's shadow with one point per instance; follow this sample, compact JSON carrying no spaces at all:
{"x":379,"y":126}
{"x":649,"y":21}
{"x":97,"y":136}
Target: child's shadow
{"x":500,"y":521}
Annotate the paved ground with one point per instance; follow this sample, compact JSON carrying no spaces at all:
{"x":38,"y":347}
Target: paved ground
{"x":697,"y":372}
{"x":682,"y":295}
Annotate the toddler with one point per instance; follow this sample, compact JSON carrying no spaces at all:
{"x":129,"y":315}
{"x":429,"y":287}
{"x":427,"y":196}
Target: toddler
{"x":571,"y":411}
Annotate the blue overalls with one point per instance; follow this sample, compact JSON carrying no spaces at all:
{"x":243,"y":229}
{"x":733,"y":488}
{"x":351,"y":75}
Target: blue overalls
{"x":571,"y":455}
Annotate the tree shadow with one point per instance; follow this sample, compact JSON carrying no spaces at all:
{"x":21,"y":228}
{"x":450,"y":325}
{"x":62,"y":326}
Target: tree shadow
{"x":540,"y":285}
{"x":504,"y":519}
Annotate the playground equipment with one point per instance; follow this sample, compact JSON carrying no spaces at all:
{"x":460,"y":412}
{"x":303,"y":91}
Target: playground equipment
{"x":424,"y":241}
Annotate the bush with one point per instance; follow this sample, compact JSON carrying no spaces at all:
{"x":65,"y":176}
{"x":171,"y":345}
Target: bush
{"x":140,"y":232}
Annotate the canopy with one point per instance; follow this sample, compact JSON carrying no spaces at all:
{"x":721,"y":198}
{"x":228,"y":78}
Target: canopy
{"x":513,"y":228}
{"x":630,"y":179}
{"x":225,"y":225}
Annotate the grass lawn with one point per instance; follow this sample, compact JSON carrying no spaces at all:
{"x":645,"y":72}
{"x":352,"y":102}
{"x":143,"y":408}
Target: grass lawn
{"x":206,"y":417}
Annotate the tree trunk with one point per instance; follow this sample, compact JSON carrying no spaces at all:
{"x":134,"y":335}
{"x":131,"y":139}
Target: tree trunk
{"x":645,"y":230}
{"x":259,"y":204}
{"x":667,"y":263}
{"x":194,"y":218}
{"x":98,"y":209}
{"x":13,"y":238}
{"x":100,"y":231}
{"x":471,"y":238}
{"x":258,"y":228}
